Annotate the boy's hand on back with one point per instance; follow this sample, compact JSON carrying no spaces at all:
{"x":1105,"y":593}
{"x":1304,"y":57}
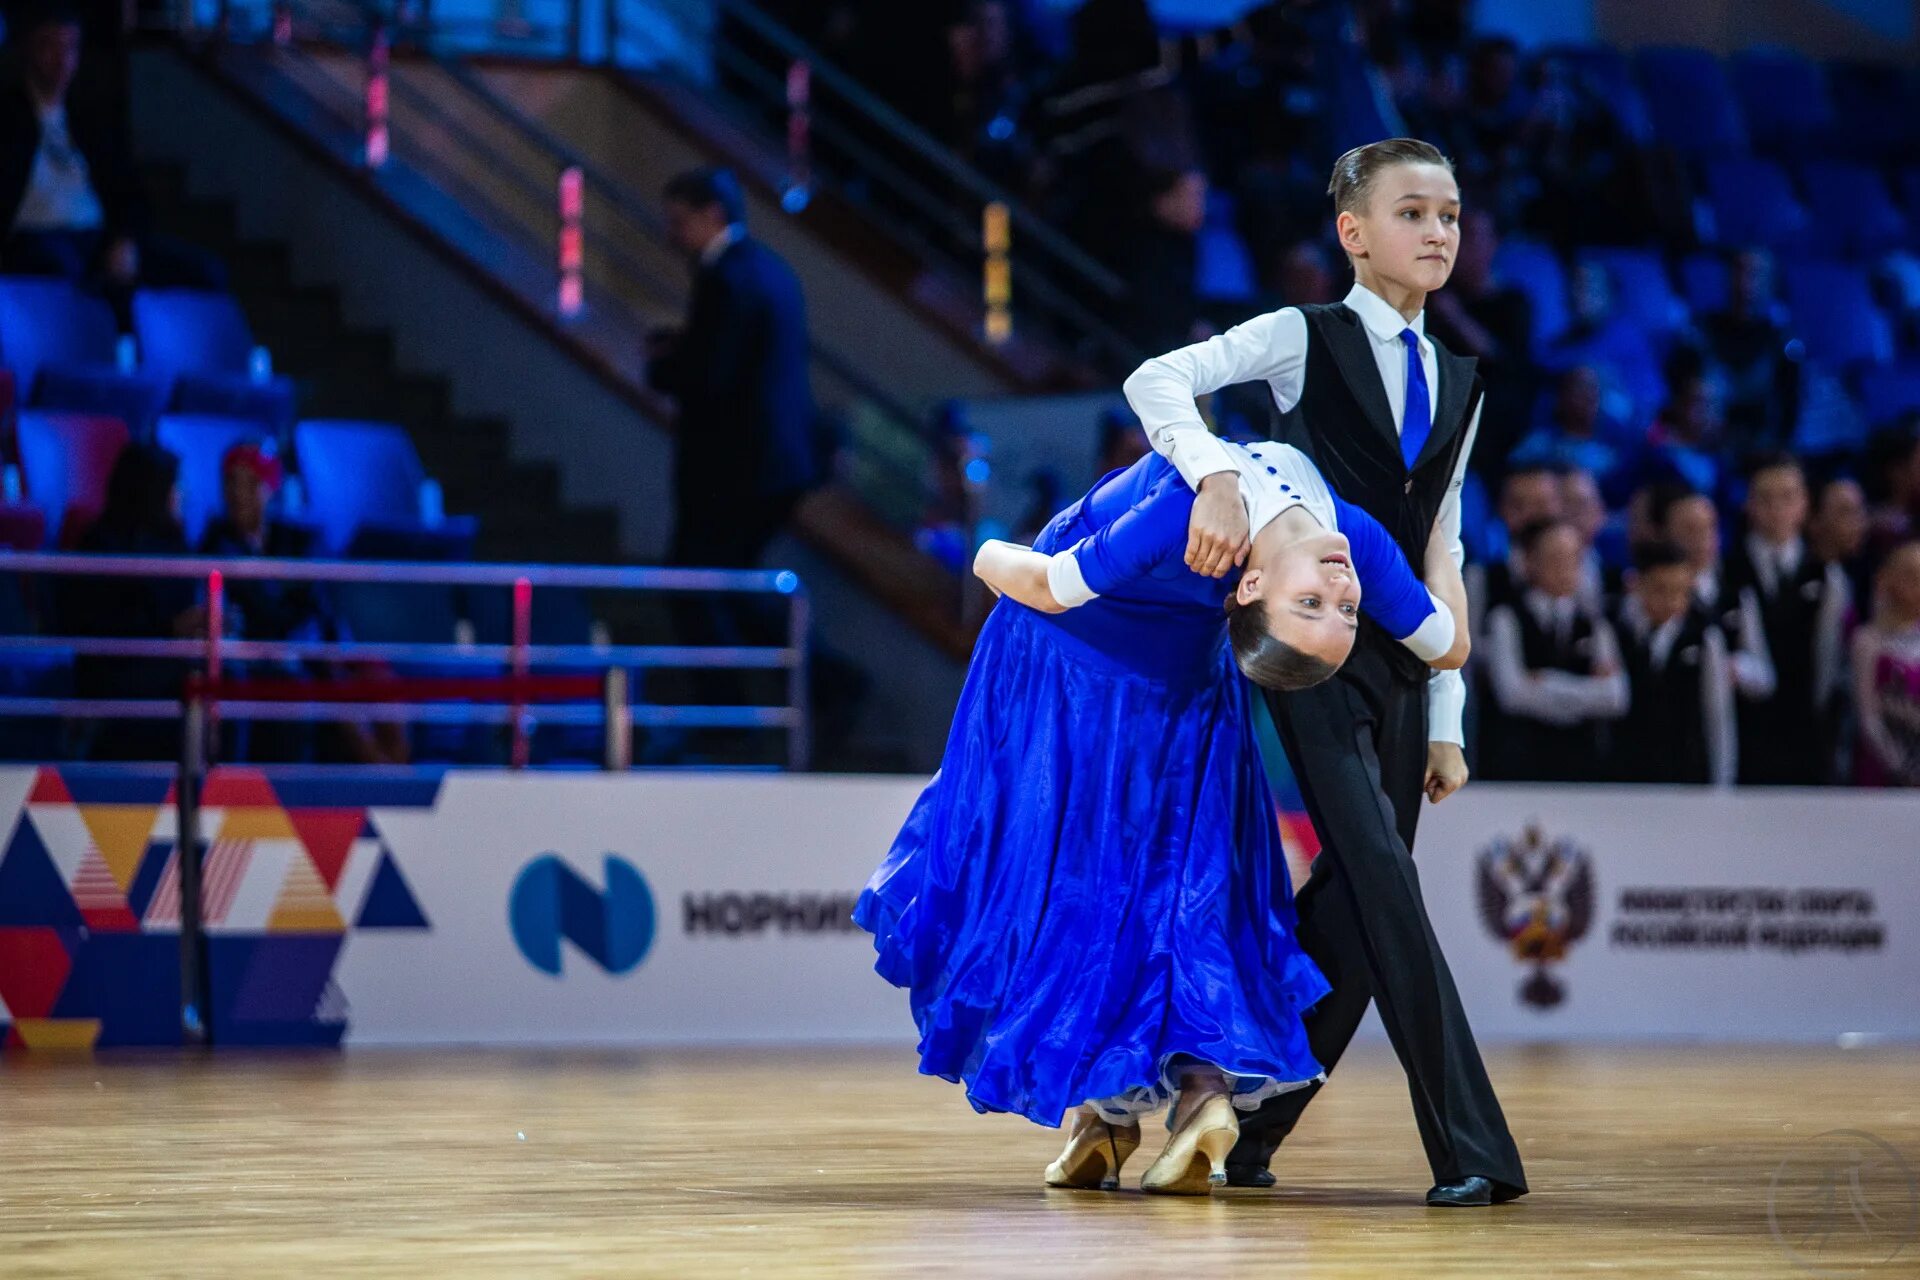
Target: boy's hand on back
{"x":1217,"y":539}
{"x":1446,"y":770}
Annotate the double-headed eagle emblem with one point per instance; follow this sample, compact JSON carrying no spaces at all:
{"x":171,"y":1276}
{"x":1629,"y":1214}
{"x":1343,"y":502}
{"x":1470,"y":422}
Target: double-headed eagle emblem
{"x":1537,"y":896}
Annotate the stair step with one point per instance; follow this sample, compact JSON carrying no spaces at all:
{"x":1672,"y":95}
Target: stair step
{"x":342,"y":371}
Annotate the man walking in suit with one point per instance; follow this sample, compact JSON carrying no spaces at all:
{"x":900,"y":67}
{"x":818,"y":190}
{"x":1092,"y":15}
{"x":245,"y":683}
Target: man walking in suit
{"x":1390,"y":417}
{"x":747,"y":448}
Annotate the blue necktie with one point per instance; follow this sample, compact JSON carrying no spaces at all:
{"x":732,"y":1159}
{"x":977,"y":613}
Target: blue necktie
{"x":1416,"y":424}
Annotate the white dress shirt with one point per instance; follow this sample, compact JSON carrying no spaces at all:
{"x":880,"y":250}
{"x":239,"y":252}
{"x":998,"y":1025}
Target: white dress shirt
{"x":1273,"y":349}
{"x":1751,"y":657}
{"x":1551,"y":696}
{"x":60,"y":194}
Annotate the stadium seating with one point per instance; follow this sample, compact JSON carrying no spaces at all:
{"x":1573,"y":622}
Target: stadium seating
{"x":66,"y":459}
{"x":199,"y":345}
{"x":62,"y":346}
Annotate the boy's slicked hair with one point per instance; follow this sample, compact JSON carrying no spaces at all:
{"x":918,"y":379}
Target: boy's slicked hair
{"x":1661,"y":554}
{"x":1354,"y":173}
{"x":1269,"y":662}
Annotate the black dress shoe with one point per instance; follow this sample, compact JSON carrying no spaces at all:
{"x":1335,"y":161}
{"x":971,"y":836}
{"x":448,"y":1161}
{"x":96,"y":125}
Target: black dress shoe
{"x":1250,"y":1175}
{"x":1468,"y":1193}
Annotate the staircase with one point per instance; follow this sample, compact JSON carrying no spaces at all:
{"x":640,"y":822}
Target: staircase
{"x":340,"y":371}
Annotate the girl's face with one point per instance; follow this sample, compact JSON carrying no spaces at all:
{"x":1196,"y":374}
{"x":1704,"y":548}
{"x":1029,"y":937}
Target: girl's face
{"x":1409,"y":233}
{"x":1311,"y":593}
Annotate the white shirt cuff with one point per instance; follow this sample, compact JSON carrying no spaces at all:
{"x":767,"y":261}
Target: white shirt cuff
{"x":1195,"y":452}
{"x":1447,"y":708}
{"x":1432,"y":638}
{"x":1064,"y":579}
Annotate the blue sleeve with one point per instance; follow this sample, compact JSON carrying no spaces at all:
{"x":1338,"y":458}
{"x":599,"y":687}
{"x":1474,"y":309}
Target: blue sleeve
{"x":1390,"y":594}
{"x":1137,"y":540}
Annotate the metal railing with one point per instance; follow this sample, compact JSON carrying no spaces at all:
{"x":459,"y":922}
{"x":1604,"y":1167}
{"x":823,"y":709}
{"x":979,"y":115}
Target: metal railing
{"x":604,"y":700}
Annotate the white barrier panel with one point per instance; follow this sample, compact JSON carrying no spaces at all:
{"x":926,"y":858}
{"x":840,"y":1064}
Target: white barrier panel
{"x":711,"y":909}
{"x":718,"y":907}
{"x":1614,"y":912}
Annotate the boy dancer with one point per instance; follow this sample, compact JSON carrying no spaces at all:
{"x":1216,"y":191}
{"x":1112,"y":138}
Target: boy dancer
{"x":1389,"y":416}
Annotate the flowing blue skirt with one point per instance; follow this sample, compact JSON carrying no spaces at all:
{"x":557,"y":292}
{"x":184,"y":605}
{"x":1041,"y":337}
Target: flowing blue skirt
{"x":1092,"y":889}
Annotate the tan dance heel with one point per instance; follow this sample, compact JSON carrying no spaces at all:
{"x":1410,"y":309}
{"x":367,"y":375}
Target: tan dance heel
{"x":1195,"y":1159}
{"x":1095,"y":1151}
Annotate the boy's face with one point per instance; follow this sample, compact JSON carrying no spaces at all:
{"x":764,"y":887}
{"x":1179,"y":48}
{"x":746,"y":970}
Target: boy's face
{"x":1777,"y":504}
{"x":1311,"y":594}
{"x":1553,"y":567}
{"x":1695,"y":526}
{"x":1841,"y":520}
{"x":1409,"y":232}
{"x":1664,"y":592}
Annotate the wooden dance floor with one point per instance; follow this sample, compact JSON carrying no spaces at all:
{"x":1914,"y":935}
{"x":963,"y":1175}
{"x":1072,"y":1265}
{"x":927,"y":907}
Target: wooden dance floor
{"x":1644,"y":1162}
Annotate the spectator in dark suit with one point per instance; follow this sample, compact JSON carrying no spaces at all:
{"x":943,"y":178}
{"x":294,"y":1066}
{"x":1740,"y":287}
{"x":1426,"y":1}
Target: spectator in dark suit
{"x":68,"y":192}
{"x":748,"y":448}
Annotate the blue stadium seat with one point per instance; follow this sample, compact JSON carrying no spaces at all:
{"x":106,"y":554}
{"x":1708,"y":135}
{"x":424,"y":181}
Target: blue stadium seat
{"x":1835,"y":315}
{"x":1690,"y":101}
{"x":1536,"y":271}
{"x":65,"y":459}
{"x":1851,"y":203}
{"x":198,"y":344}
{"x":1889,"y":391}
{"x":1642,"y":290}
{"x":62,"y":346}
{"x":356,"y":473}
{"x":1783,"y":95}
{"x":1753,"y":204}
{"x":362,"y":483}
{"x":1706,"y":282}
{"x":200,"y":442}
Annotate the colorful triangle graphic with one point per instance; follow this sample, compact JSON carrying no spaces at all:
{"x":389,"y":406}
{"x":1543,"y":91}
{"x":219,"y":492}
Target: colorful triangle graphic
{"x":120,"y":834}
{"x":390,"y":902}
{"x":50,"y":788}
{"x":304,"y":904}
{"x":329,"y":835}
{"x":31,"y":889}
{"x":238,"y":789}
{"x":255,"y":823}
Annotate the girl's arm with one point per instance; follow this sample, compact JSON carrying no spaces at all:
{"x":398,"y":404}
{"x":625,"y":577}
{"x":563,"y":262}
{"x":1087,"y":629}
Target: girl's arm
{"x":1449,"y":590}
{"x":1432,"y":629}
{"x":1019,"y":573}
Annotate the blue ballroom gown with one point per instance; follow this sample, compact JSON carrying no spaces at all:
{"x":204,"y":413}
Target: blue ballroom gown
{"x":1091,"y":892}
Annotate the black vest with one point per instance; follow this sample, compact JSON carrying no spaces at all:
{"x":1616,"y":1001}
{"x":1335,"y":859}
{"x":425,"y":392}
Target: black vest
{"x":1664,"y":735}
{"x":1519,"y":748}
{"x":1345,"y":424}
{"x":1781,"y":739}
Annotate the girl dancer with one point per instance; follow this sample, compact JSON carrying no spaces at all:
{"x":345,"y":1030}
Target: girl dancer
{"x":1089,"y":903}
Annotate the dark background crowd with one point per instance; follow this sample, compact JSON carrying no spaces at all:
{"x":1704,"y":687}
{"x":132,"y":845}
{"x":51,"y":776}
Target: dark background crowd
{"x":1689,"y":284}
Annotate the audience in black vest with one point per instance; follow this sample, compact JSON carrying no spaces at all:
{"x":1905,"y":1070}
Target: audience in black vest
{"x":1804,"y":602}
{"x":1679,"y":725}
{"x":1553,"y":668}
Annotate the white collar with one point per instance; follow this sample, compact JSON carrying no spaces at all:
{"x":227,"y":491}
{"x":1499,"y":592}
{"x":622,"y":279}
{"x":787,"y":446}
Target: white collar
{"x":1381,"y":320}
{"x":1782,"y":555}
{"x":728,"y":238}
